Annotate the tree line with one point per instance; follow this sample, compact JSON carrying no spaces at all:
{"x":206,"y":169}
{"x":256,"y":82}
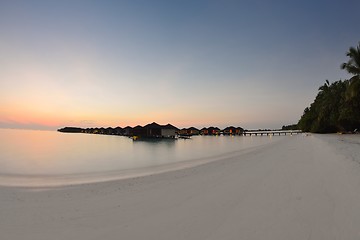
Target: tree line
{"x":336,"y":107}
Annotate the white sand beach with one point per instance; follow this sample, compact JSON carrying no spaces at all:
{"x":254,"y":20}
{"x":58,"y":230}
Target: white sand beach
{"x":302,"y":187}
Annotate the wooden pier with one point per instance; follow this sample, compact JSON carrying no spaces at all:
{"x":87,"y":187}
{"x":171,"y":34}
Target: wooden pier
{"x":271,"y":133}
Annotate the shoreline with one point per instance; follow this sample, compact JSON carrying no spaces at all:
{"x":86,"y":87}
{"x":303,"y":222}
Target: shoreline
{"x":301,"y":188}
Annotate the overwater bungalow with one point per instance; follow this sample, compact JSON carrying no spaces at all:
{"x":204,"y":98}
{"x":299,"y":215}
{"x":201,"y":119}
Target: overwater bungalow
{"x":233,"y":131}
{"x":109,"y":131}
{"x":193,"y":131}
{"x":118,"y":131}
{"x":210,"y":131}
{"x":102,"y":130}
{"x":239,"y":131}
{"x":154,"y":130}
{"x":189,"y":131}
{"x":182,"y":131}
{"x":168,"y":131}
{"x":138,"y":131}
{"x":128,"y":131}
{"x":214,"y":131}
{"x":204,"y":131}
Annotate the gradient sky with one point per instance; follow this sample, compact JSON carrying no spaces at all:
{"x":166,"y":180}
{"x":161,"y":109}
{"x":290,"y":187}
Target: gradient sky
{"x":254,"y":64}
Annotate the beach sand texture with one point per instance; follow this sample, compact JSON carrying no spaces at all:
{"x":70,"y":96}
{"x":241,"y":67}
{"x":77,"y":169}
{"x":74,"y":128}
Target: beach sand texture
{"x":302,"y":187}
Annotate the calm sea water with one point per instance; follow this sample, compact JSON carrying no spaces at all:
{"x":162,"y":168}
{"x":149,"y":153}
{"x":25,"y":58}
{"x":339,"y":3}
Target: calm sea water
{"x":39,"y":157}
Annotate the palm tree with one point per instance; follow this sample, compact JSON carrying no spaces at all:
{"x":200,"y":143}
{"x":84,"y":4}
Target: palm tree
{"x":324,"y":87}
{"x":353,"y":67}
{"x":350,"y":112}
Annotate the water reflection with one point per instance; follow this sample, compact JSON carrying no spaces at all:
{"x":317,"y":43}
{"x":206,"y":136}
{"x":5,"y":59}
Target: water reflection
{"x":169,"y":142}
{"x":25,"y":152}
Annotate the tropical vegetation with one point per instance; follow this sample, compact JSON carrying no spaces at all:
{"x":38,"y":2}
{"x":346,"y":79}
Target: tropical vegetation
{"x":336,"y":107}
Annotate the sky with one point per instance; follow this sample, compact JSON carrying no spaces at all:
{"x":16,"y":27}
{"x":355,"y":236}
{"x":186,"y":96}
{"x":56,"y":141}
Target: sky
{"x":254,"y":64}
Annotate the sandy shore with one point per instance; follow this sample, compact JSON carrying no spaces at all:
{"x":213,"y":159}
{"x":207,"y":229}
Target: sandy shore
{"x":297,"y":188}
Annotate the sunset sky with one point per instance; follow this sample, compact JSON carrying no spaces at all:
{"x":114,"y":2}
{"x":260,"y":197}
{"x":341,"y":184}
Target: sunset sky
{"x":254,"y":64}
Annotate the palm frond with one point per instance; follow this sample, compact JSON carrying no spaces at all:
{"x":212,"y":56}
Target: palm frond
{"x":352,"y":69}
{"x":353,"y":65}
{"x":343,"y":65}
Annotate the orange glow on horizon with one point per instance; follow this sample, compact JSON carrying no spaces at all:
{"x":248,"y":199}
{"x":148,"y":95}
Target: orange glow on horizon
{"x":52,"y":117}
{"x":52,"y":120}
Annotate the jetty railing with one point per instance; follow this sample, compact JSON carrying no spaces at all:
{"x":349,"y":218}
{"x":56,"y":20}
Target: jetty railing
{"x":271,"y":132}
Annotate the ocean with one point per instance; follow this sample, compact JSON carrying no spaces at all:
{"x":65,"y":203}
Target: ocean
{"x":41,"y":158}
